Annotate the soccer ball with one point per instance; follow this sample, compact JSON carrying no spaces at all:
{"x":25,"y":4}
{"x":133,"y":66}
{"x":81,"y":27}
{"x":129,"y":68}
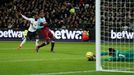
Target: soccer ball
{"x":90,"y":56}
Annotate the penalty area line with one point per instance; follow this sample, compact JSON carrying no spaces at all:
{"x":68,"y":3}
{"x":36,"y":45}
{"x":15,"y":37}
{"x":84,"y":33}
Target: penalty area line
{"x":61,"y":73}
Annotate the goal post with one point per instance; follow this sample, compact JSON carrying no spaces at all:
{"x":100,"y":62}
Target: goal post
{"x":97,"y":14}
{"x":115,"y":35}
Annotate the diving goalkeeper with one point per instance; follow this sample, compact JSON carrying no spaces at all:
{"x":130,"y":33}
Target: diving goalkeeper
{"x":118,"y":55}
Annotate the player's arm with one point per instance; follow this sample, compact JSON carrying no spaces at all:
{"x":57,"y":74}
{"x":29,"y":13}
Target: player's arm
{"x":26,"y":18}
{"x":116,"y":59}
{"x":40,"y":27}
{"x":104,"y":53}
{"x":109,"y":59}
{"x":44,"y":24}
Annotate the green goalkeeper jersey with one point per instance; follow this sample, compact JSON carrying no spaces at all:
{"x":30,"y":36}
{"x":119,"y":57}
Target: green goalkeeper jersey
{"x":119,"y":55}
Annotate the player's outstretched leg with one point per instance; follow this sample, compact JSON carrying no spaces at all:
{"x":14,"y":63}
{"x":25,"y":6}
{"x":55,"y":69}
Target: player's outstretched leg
{"x":24,"y":40}
{"x":36,"y":42}
{"x":41,"y":45}
{"x":37,"y":39}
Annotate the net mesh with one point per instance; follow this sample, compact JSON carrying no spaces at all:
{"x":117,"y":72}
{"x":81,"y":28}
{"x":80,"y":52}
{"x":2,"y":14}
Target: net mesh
{"x":117,"y":32}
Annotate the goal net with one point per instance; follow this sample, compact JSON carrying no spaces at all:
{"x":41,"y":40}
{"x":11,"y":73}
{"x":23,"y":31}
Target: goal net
{"x":115,"y":35}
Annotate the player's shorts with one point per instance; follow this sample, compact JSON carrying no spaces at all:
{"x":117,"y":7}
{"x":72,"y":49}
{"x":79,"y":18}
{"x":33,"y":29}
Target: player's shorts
{"x":47,"y":34}
{"x":31,"y":35}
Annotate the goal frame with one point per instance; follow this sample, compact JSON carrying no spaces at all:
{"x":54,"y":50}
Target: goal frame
{"x":98,"y":39}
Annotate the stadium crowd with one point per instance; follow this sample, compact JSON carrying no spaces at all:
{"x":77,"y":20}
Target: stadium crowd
{"x":118,"y":16}
{"x":69,"y":14}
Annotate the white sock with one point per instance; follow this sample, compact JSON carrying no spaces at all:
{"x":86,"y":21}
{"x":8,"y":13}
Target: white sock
{"x":52,"y":41}
{"x":24,"y":40}
{"x":36,"y":43}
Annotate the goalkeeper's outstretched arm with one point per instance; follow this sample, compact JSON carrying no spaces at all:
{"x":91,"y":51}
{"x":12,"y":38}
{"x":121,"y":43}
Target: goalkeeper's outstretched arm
{"x":118,"y":55}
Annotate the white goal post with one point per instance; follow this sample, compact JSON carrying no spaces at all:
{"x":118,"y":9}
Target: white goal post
{"x":115,"y":35}
{"x":98,"y":33}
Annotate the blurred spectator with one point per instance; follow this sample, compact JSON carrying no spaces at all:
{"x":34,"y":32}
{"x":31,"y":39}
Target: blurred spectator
{"x":59,"y":13}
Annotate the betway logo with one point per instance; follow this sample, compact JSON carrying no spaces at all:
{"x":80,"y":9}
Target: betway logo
{"x":123,"y":34}
{"x":65,"y":34}
{"x":11,"y":34}
{"x":59,"y":34}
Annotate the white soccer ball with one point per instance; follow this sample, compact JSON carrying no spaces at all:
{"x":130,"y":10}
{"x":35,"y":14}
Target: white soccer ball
{"x":90,"y":56}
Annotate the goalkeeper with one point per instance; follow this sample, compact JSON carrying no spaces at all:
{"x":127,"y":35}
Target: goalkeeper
{"x":118,"y":55}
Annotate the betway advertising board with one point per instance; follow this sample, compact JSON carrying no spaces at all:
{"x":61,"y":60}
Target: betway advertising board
{"x":61,"y":35}
{"x":122,"y":35}
{"x":119,"y":36}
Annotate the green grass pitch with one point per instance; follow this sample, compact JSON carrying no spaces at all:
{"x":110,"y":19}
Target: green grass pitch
{"x":68,"y":59}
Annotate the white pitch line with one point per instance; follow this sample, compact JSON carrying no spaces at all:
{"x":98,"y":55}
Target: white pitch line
{"x":61,"y":73}
{"x":14,"y":48}
{"x":23,"y":60}
{"x":28,"y":60}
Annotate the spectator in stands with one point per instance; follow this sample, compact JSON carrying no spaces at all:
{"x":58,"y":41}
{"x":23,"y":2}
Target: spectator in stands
{"x":59,"y":13}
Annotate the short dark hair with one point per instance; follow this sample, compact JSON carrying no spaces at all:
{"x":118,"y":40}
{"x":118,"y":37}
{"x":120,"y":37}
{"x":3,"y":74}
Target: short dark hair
{"x":34,"y":13}
{"x":111,"y":51}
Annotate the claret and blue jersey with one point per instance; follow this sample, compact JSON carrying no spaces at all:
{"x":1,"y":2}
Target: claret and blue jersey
{"x":40,"y":21}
